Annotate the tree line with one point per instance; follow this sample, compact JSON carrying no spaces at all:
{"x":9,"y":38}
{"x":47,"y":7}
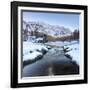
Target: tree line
{"x":74,"y":36}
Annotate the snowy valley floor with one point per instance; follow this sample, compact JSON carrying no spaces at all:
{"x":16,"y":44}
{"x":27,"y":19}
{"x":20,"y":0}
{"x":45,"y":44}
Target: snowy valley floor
{"x":49,"y":59}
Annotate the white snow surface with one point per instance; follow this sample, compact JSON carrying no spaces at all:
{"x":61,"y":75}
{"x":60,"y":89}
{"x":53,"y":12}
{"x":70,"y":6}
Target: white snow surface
{"x":75,"y":52}
{"x":31,"y":56}
{"x":32,"y":47}
{"x":60,"y":43}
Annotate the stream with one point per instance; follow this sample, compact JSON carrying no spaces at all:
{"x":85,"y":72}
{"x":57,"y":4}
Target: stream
{"x":53,"y":62}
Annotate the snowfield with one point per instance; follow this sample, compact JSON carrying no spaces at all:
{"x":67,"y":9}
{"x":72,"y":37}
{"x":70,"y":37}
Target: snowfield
{"x":32,"y":50}
{"x":31,"y":56}
{"x":75,"y":52}
{"x":60,"y":43}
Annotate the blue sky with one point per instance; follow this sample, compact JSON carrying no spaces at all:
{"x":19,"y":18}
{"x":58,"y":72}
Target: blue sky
{"x":68,"y":20}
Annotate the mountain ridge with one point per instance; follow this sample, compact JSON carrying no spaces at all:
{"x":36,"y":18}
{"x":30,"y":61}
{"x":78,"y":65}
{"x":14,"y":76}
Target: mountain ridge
{"x":52,"y":30}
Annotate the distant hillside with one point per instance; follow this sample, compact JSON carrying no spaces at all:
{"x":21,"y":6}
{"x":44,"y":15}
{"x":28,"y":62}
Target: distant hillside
{"x":50,"y":30}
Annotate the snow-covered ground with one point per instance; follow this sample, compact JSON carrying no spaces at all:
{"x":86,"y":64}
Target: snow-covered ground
{"x":31,"y":50}
{"x":75,"y":52}
{"x":60,"y":43}
{"x":31,"y":56}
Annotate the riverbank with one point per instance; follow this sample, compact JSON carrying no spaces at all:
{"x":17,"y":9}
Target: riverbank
{"x":54,"y":62}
